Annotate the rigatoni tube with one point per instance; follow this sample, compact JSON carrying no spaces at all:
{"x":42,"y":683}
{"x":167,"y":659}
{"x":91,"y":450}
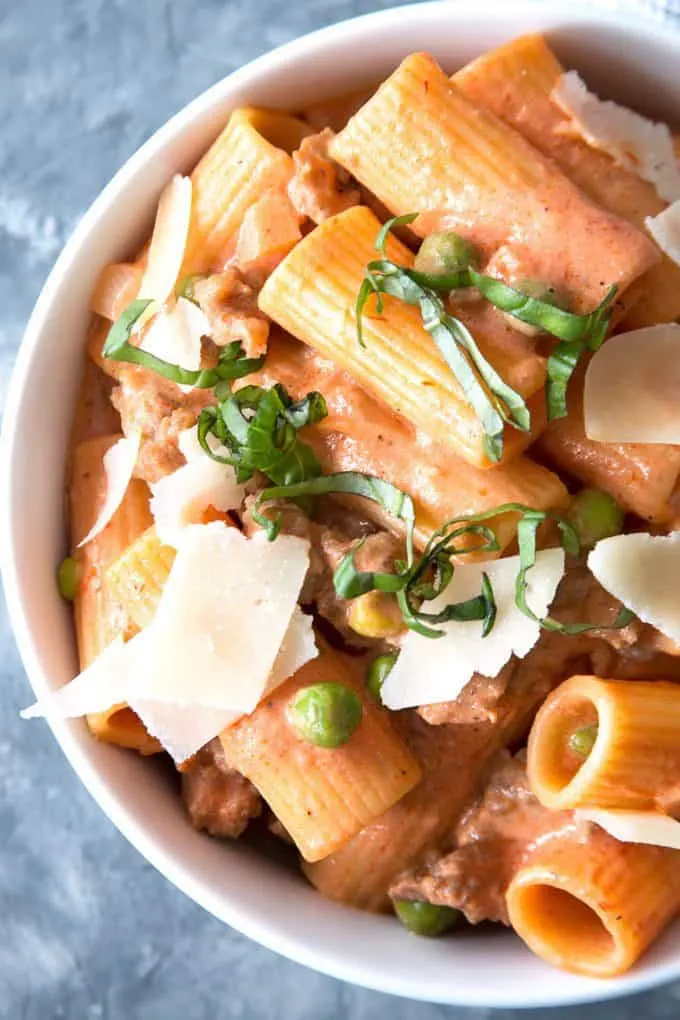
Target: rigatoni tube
{"x":640,"y":476}
{"x":594,"y":911}
{"x":515,"y":82}
{"x":117,"y":286}
{"x":321,"y":795}
{"x":99,"y":615}
{"x":453,"y":760}
{"x":635,"y":755}
{"x":361,"y":434}
{"x":312,"y":294}
{"x":421,"y":145}
{"x":138,"y":576}
{"x":250,"y":157}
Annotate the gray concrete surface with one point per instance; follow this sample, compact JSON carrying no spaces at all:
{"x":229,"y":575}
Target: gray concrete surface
{"x":88,"y":931}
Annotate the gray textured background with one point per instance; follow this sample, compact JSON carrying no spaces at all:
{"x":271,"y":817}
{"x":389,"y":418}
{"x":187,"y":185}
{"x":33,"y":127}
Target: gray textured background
{"x":82,"y":84}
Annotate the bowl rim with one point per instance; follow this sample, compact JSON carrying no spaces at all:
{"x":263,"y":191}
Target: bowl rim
{"x":298,"y":949}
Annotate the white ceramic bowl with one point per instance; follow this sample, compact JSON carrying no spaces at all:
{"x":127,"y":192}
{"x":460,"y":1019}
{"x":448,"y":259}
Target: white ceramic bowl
{"x":635,"y":62}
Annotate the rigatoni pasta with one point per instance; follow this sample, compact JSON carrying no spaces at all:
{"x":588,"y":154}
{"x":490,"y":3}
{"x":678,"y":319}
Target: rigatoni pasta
{"x":421,"y":144}
{"x":98,"y":614}
{"x":640,"y":476}
{"x":250,"y":157}
{"x":594,"y":913}
{"x":515,"y":82}
{"x":340,"y":539}
{"x":321,"y":799}
{"x":137,"y":577}
{"x":398,"y":362}
{"x":117,"y":286}
{"x":361,"y":434}
{"x":631,"y":756}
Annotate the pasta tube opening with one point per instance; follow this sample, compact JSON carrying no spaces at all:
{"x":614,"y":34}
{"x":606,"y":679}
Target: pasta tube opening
{"x":278,"y":128}
{"x":593,"y":911}
{"x":564,"y":929}
{"x":605,"y":743}
{"x":122,"y":727}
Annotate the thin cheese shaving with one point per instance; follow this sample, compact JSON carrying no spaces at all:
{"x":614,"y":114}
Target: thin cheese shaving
{"x":665,"y":229}
{"x":99,"y":687}
{"x":175,"y":335}
{"x":642,"y":571}
{"x":640,"y":145}
{"x":181,"y":498}
{"x":632,"y":388}
{"x":181,"y":729}
{"x":429,"y":671}
{"x":114,"y":678}
{"x":648,"y":827}
{"x":297,"y":648}
{"x":119,"y":465}
{"x":168,"y":241}
{"x":184,"y":729}
{"x":221,"y":621}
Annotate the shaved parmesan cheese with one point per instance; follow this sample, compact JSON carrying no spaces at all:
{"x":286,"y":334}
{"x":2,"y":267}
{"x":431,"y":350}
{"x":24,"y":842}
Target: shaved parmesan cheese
{"x":635,"y":826}
{"x":169,"y":241}
{"x":632,"y":388}
{"x":222,"y":618}
{"x":636,"y":143}
{"x":429,"y":671}
{"x":181,"y":729}
{"x":297,"y":648}
{"x":227,"y":631}
{"x":642,"y":571}
{"x":176,"y":335}
{"x":100,"y":686}
{"x":113,"y":678}
{"x":119,"y":465}
{"x":665,"y":229}
{"x":180,"y":499}
{"x":184,"y":729}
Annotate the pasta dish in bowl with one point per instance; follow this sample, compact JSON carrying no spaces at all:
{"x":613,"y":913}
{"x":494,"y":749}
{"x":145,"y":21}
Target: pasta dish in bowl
{"x":373,"y":513}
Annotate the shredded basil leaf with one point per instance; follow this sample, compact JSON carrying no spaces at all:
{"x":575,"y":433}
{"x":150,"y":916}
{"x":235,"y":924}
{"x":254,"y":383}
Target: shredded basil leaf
{"x":526,"y":540}
{"x":270,"y":525}
{"x":349,"y":582}
{"x":259,"y":428}
{"x":577,"y":333}
{"x":494,"y":402}
{"x":535,"y":312}
{"x":565,"y":357}
{"x":491,"y":608}
{"x":561,"y":365}
{"x":232,"y":363}
{"x":479,"y":607}
{"x":426,"y":578}
{"x":550,"y":318}
{"x":388,"y":227}
{"x":388,"y":496}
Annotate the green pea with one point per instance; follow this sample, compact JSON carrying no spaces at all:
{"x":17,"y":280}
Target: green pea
{"x":541,"y":292}
{"x":423,"y":918}
{"x":446,"y":252}
{"x":325,"y":714}
{"x":68,"y":578}
{"x":582,"y":740}
{"x":378,"y":671}
{"x":595,"y":515}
